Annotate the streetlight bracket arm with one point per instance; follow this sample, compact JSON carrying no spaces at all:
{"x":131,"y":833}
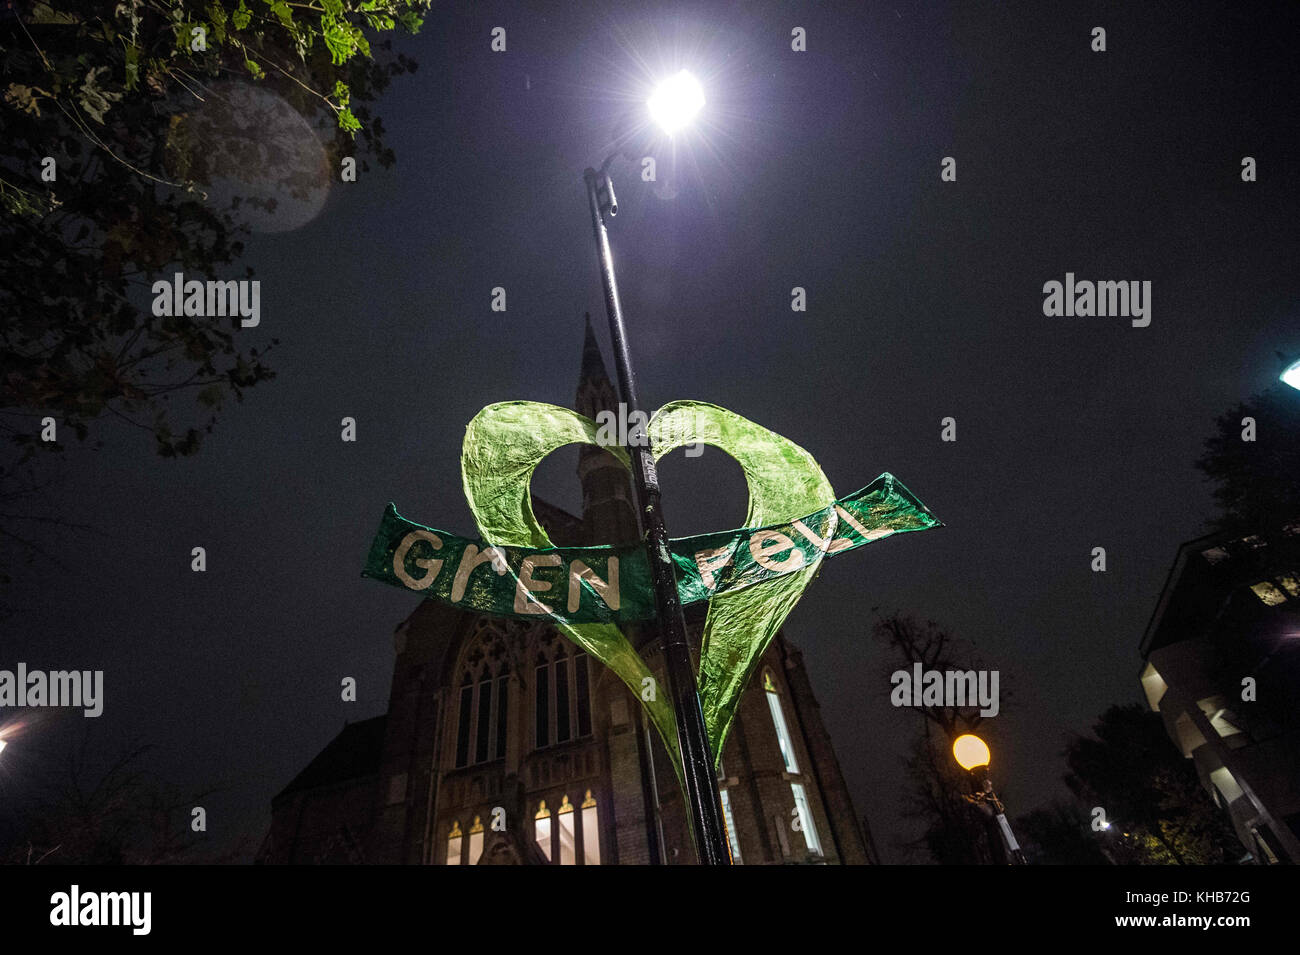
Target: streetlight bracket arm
{"x":603,"y":186}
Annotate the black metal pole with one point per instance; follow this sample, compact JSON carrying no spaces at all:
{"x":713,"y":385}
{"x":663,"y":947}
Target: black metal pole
{"x":984,"y":784}
{"x":697,"y":761}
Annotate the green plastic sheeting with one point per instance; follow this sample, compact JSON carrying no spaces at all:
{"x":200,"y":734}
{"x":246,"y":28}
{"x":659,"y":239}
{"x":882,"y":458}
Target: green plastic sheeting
{"x":503,"y":446}
{"x":598,"y":584}
{"x":752,"y":576}
{"x":785,"y":483}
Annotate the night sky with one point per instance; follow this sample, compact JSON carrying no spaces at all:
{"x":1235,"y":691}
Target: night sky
{"x":925,"y":300}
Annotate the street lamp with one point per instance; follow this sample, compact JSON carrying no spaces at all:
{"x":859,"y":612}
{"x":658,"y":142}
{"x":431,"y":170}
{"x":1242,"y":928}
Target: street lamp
{"x":676,"y":101}
{"x":972,"y":755}
{"x":3,"y":744}
{"x":1290,"y":371}
{"x":672,"y":106}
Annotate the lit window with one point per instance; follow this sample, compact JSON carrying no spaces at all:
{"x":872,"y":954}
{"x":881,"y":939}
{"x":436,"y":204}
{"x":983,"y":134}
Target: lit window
{"x":475,"y":841}
{"x":1154,"y":685}
{"x":1226,"y":786}
{"x":542,"y":829}
{"x":806,"y":819}
{"x":1224,"y":721}
{"x":1264,"y":850}
{"x":778,"y":719}
{"x":1269,"y":594}
{"x":453,"y":844}
{"x":568,"y":838}
{"x":731,"y":829}
{"x":590,"y":832}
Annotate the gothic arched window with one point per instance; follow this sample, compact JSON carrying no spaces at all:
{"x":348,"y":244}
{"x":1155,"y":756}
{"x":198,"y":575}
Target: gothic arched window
{"x":542,"y":829}
{"x":568,"y":833}
{"x":778,"y":720}
{"x":542,"y":703}
{"x":561,"y":695}
{"x":563,"y":718}
{"x":465,"y":713}
{"x":810,"y":837}
{"x":484,"y":722}
{"x":483,"y":705}
{"x":574,"y":830}
{"x":590,"y":831}
{"x":454,"y":842}
{"x":797,"y":790}
{"x":476,"y":840}
{"x":730,"y":820}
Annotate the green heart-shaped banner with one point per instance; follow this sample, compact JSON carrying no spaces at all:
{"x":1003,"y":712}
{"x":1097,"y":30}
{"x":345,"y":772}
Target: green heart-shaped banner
{"x":503,"y":446}
{"x":752,"y":577}
{"x":785,"y":483}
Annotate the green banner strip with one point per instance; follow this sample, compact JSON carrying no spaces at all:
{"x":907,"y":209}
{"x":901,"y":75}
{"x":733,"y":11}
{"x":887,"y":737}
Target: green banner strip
{"x":612,"y":584}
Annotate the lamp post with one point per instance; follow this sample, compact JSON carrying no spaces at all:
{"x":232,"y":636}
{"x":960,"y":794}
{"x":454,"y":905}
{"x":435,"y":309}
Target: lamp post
{"x":672,"y":106}
{"x":972,"y":755}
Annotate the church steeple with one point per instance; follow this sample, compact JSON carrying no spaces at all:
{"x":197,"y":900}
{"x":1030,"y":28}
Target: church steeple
{"x":596,"y":392}
{"x":608,"y":515}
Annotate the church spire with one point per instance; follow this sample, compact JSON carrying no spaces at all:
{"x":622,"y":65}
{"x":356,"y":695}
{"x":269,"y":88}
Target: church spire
{"x":608,"y":515}
{"x":596,"y":392}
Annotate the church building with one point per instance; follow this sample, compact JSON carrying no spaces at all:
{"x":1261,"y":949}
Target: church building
{"x":505,"y":744}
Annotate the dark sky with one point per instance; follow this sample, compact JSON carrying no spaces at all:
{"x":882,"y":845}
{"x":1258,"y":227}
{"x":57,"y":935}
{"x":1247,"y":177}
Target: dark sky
{"x":817,"y":169}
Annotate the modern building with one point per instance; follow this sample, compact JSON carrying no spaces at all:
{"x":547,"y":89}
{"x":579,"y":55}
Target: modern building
{"x":1222,"y":667}
{"x":504,"y":744}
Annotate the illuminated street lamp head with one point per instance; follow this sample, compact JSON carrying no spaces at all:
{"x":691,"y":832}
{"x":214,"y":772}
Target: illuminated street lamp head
{"x":970,"y":751}
{"x":3,"y":744}
{"x":1291,"y":374}
{"x":676,"y":101}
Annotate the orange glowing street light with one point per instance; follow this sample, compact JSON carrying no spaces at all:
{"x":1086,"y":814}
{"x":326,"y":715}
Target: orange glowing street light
{"x":970,"y":751}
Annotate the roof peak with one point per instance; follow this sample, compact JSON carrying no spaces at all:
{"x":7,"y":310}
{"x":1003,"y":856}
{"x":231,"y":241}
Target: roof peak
{"x":595,"y":389}
{"x":593,"y":362}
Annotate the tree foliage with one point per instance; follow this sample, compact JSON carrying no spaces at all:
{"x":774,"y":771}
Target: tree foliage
{"x":110,"y":93}
{"x":953,"y":831}
{"x":1061,"y":833}
{"x":1258,"y":482}
{"x":1158,"y":811}
{"x":92,"y":812}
